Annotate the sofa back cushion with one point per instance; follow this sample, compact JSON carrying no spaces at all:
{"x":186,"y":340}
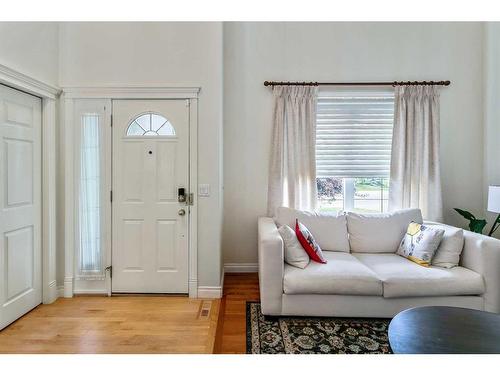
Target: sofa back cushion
{"x":330,"y":231}
{"x":379,"y":233}
{"x":450,"y":248}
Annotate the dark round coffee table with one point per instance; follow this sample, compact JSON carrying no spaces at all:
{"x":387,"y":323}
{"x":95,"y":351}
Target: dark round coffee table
{"x":444,"y":330}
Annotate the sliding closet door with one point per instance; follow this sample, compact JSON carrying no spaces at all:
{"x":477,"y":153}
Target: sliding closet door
{"x":20,"y":204}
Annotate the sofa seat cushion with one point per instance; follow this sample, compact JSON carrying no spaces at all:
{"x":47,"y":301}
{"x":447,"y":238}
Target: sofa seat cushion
{"x":343,"y":274}
{"x":404,"y":278}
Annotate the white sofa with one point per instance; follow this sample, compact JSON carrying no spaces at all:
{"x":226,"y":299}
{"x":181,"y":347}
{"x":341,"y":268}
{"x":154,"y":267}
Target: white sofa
{"x":364,"y":277}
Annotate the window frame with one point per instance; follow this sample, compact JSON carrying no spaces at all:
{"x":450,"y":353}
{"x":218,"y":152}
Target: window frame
{"x":84,"y":279}
{"x":99,"y":177}
{"x":348,"y":183}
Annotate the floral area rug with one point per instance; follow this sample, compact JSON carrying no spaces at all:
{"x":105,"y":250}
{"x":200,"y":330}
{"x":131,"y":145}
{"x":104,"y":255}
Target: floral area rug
{"x":301,"y":335}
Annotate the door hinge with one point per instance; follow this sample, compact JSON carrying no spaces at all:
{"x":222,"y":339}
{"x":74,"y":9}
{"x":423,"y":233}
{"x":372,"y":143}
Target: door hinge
{"x":111,"y":122}
{"x":188,"y":102}
{"x":111,"y":195}
{"x":190,"y":199}
{"x":110,"y":269}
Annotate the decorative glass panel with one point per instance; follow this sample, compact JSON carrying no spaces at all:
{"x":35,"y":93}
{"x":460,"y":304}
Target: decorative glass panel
{"x":150,"y":124}
{"x":90,"y":197}
{"x":144,"y":121}
{"x":135,"y":129}
{"x":157,"y":122}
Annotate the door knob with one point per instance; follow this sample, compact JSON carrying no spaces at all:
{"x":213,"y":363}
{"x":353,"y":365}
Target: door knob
{"x":182,"y":212}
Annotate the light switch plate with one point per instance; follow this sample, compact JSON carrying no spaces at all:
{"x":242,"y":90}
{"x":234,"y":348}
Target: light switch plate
{"x":204,"y":190}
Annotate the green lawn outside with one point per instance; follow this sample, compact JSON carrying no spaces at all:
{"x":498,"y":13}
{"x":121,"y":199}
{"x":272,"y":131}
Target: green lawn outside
{"x":327,"y":210}
{"x":363,"y":187}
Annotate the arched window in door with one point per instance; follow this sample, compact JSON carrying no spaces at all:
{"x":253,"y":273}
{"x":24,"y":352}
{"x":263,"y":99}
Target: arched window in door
{"x":150,"y":124}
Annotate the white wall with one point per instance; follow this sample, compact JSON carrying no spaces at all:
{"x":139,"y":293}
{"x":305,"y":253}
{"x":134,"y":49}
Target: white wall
{"x":192,"y":54}
{"x":161,"y":54}
{"x":254,"y":52}
{"x":491,"y":111}
{"x":31,"y":48}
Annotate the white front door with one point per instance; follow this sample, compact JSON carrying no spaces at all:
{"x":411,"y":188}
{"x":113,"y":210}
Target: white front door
{"x":150,"y":225}
{"x":20,"y":204}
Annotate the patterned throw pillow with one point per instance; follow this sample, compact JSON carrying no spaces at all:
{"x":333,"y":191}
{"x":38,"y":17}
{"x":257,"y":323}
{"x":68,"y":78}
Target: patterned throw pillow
{"x":420,"y":243}
{"x":308,"y":242}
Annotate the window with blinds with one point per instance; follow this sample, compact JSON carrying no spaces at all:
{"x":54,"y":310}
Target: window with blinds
{"x":353,"y":150}
{"x":354,"y":134}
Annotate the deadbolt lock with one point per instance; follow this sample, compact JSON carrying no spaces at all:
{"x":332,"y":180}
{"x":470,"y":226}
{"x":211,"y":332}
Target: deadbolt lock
{"x":181,"y":194}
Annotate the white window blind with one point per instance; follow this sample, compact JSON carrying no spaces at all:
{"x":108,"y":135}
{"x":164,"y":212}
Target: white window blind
{"x":354,"y":134}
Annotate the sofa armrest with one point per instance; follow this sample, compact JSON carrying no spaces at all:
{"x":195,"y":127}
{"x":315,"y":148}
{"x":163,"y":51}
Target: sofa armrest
{"x":482,"y":255}
{"x":271,"y":266}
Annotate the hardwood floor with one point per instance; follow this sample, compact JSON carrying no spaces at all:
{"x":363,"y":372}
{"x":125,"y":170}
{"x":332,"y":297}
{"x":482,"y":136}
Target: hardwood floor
{"x":238,"y":289}
{"x":123,"y":324}
{"x":137,"y":324}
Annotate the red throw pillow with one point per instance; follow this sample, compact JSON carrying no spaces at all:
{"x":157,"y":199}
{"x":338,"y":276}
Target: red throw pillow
{"x":308,"y":242}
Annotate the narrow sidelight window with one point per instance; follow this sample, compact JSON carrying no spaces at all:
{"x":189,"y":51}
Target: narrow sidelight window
{"x":90,"y":257}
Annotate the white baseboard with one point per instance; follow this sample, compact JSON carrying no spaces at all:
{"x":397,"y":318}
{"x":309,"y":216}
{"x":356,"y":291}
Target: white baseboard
{"x":50,"y":293}
{"x":241,"y":267}
{"x":203,"y":291}
{"x":209,"y":292}
{"x":61,"y":292}
{"x":98,"y":292}
{"x":68,"y":287}
{"x":193,"y":288}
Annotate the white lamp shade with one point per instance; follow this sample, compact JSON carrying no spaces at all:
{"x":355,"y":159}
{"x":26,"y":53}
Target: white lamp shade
{"x":494,"y":199}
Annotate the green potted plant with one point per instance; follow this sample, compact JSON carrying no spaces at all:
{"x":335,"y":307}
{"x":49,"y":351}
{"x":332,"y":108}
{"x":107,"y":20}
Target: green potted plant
{"x":475,"y":225}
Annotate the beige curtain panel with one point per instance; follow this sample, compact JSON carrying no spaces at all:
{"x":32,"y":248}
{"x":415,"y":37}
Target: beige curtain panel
{"x":292,"y":172}
{"x":415,"y":179}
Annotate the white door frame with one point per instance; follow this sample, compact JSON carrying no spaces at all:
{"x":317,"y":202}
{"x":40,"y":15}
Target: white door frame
{"x":70,"y":94}
{"x":49,"y":95}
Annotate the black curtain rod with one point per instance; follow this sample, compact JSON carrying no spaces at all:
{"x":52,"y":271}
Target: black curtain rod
{"x":395,"y":83}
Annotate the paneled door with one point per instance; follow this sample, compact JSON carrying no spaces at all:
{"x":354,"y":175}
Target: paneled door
{"x":150,"y":172}
{"x":20,"y":204}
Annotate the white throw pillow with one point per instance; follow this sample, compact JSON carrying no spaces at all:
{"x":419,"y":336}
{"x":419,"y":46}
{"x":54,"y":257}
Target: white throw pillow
{"x":420,"y":243}
{"x":379,"y":233}
{"x":295,"y":255}
{"x":330,"y":231}
{"x":450,"y":249}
